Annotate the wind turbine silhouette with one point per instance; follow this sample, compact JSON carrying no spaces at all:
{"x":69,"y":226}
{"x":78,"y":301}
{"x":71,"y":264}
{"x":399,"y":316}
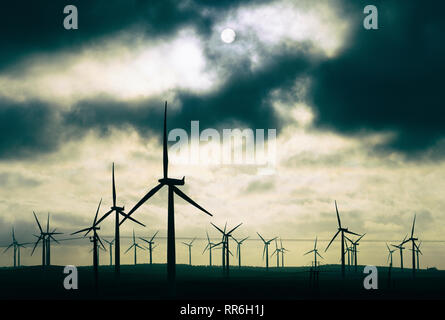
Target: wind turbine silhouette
{"x":266,"y":249}
{"x":283,"y":250}
{"x":172,"y":189}
{"x":238,"y":249}
{"x":390,"y":252}
{"x":95,"y":239}
{"x":354,"y":249}
{"x":342,"y":231}
{"x":225,"y":247}
{"x":401,"y":248}
{"x":16,"y":246}
{"x":315,"y":251}
{"x":119,"y":211}
{"x":150,"y":246}
{"x":46,"y":241}
{"x":413,"y":242}
{"x":135,"y":246}
{"x":210,"y":245}
{"x":190,"y":245}
{"x":417,"y":254}
{"x":110,"y":244}
{"x":277,"y":252}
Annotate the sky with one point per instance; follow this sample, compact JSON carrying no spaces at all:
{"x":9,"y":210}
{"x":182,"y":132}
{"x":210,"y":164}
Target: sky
{"x":358,"y":116}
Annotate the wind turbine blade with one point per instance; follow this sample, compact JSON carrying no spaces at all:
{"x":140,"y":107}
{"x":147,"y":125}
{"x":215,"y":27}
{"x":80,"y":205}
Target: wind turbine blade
{"x":414,"y":223}
{"x":349,"y":240}
{"x":104,"y":216}
{"x":261,"y":238}
{"x":309,"y":252}
{"x":217,"y":228}
{"x":186,"y":198}
{"x":338,"y":215}
{"x":165,"y":152}
{"x":192,"y":241}
{"x":47,"y":224}
{"x":332,"y":240}
{"x":97,"y":212}
{"x":315,"y":245}
{"x":100,"y":241}
{"x":208,"y":244}
{"x":129,"y":248}
{"x":114,"y":188}
{"x":152,"y":238}
{"x":8,"y":247}
{"x":145,"y":198}
{"x":264,"y":250}
{"x":318,"y":254}
{"x":356,"y":241}
{"x":244,"y":239}
{"x":80,"y":231}
{"x":38,"y":223}
{"x":126,"y":216}
{"x":208,"y":239}
{"x":234,"y":229}
{"x":144,"y":240}
{"x":350,"y":232}
{"x":35,"y":245}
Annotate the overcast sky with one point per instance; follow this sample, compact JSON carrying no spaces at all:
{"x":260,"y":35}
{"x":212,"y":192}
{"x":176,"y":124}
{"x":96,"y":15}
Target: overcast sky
{"x":358,"y":114}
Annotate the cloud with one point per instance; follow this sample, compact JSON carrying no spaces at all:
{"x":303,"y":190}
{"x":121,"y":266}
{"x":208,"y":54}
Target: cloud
{"x":388,"y":79}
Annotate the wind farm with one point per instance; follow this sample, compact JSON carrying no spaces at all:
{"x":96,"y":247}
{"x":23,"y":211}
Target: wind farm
{"x":213,"y":278}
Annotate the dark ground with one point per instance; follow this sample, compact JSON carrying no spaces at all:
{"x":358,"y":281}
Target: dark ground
{"x":207,"y":283}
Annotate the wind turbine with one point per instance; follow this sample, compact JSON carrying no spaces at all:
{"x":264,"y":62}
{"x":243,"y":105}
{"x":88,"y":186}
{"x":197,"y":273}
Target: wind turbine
{"x":417,"y":254}
{"x":354,"y":249}
{"x":390,"y":252}
{"x":190,"y":245}
{"x":315,"y":251}
{"x":225,"y":247}
{"x":238,"y":249}
{"x":95,"y":239}
{"x":119,"y":211}
{"x":342,"y":231}
{"x":46,"y":238}
{"x":413,"y":242}
{"x":266,"y":249}
{"x":401,"y":248}
{"x":16,"y":246}
{"x":277,"y":253}
{"x":210,"y":245}
{"x":283,"y":250}
{"x":110,"y":244}
{"x":172,"y":189}
{"x":150,"y":246}
{"x":135,"y":246}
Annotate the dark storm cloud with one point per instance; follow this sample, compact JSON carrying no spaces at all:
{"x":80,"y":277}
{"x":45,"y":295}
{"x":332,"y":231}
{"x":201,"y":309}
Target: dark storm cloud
{"x":27,"y":128}
{"x":390,"y":79}
{"x":28,"y":27}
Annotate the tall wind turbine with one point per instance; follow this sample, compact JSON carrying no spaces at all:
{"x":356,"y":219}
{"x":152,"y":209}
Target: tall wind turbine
{"x":401,"y":248}
{"x":95,"y":239}
{"x":238,"y":249}
{"x":119,"y":211}
{"x":135,"y":246}
{"x":210,"y":245}
{"x":342,"y":231}
{"x":172,"y":189}
{"x":189,"y":245}
{"x":225,"y":247}
{"x":413,"y":242}
{"x":266,"y":249}
{"x":46,"y":237}
{"x":315,"y":251}
{"x":354,"y":244}
{"x":150,"y":246}
{"x":16,"y":247}
{"x":390,"y":252}
{"x":417,"y":254}
{"x":110,"y":244}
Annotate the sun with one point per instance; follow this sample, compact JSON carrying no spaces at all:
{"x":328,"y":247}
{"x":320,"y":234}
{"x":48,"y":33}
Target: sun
{"x":228,"y":35}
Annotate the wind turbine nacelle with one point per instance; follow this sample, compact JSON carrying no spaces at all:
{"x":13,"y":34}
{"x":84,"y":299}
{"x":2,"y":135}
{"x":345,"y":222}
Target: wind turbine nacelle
{"x":118,"y":208}
{"x":172,"y":182}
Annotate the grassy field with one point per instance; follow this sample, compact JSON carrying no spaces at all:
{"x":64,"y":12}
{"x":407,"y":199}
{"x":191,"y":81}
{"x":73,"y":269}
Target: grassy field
{"x":201,"y":282}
